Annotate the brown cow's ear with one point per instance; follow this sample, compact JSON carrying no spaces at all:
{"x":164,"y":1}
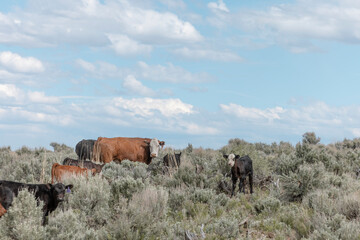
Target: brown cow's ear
{"x":161,"y":143}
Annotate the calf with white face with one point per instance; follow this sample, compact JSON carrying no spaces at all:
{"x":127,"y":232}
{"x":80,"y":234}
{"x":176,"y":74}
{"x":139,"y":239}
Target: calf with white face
{"x":241,"y":167}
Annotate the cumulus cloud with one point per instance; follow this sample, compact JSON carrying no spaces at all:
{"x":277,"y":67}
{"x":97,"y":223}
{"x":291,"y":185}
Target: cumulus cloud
{"x":54,"y":23}
{"x":327,"y":121}
{"x":252,"y":113}
{"x":355,"y":132}
{"x":86,"y":65}
{"x":101,"y":70}
{"x":17,"y":63}
{"x":147,"y":107}
{"x":123,"y":45}
{"x":136,"y":87}
{"x":295,"y":24}
{"x":172,"y":74}
{"x":11,"y":94}
{"x":219,"y":6}
{"x":196,"y":129}
{"x":39,"y":97}
{"x":207,"y":54}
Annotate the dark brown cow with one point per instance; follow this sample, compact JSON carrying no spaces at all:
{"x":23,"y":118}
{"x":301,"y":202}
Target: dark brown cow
{"x":121,"y":148}
{"x":85,"y":164}
{"x":59,"y":172}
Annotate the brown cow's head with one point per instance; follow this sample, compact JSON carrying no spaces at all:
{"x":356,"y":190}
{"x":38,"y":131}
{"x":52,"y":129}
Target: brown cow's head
{"x":155,"y":147}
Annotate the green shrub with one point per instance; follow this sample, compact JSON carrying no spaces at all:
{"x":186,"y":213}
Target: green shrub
{"x":268,"y":204}
{"x":68,"y":225}
{"x":23,"y":219}
{"x":296,"y":185}
{"x":202,"y":195}
{"x":125,"y":169}
{"x":125,"y":187}
{"x":223,"y":228}
{"x":298,"y":218}
{"x":91,"y":198}
{"x":177,"y":199}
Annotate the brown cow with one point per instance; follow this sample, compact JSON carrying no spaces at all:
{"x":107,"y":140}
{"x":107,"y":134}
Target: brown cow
{"x":60,"y":171}
{"x":2,"y":210}
{"x":120,"y":148}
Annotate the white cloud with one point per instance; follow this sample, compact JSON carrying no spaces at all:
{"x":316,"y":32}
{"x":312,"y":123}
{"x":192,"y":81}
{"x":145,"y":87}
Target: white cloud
{"x":207,"y":54}
{"x":39,"y":97}
{"x":136,"y":87}
{"x":328,"y":121}
{"x":90,"y":23}
{"x":15,"y":62}
{"x":174,"y":4}
{"x":13,"y":95}
{"x":10,"y":92}
{"x":172,"y":74}
{"x":196,"y":129}
{"x":123,"y":45}
{"x":147,"y":107}
{"x":152,"y":26}
{"x":252,"y":113}
{"x":355,"y":132}
{"x":102,"y":70}
{"x":86,"y":65}
{"x":218,"y":6}
{"x":295,"y":24}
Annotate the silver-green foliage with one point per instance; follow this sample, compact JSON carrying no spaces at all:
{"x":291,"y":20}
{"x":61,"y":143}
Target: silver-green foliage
{"x":23,"y":219}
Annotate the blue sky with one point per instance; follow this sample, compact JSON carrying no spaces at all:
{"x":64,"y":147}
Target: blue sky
{"x":199,"y":72}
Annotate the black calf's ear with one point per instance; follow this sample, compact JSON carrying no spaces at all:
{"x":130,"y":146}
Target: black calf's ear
{"x":237,"y":156}
{"x":49,"y":185}
{"x":225,"y":156}
{"x":69,"y":186}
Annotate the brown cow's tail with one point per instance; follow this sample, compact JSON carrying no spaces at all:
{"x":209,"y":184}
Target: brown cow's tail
{"x":96,"y":151}
{"x":53,"y":172}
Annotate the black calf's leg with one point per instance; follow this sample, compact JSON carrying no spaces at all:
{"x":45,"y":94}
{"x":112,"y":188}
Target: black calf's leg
{"x":251,"y":183}
{"x":242,"y":185}
{"x":234,"y":180}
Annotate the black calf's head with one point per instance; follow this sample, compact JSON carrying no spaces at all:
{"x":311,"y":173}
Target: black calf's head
{"x":58,"y":191}
{"x":231,"y":158}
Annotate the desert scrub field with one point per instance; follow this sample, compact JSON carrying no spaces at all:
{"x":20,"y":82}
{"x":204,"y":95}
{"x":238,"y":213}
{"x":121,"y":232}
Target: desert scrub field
{"x":306,"y":191}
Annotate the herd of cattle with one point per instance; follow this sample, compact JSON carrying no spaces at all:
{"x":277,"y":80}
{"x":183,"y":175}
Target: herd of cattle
{"x":102,"y":151}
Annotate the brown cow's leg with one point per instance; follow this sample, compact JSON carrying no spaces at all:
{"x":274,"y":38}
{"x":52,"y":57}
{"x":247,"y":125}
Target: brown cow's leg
{"x":2,"y":210}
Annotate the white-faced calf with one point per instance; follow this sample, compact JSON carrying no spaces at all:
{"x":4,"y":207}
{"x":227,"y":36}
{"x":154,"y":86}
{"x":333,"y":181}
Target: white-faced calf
{"x":241,"y":167}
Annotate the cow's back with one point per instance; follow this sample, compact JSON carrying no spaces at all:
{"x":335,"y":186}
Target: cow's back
{"x":58,"y":172}
{"x":120,"y":148}
{"x":84,"y":149}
